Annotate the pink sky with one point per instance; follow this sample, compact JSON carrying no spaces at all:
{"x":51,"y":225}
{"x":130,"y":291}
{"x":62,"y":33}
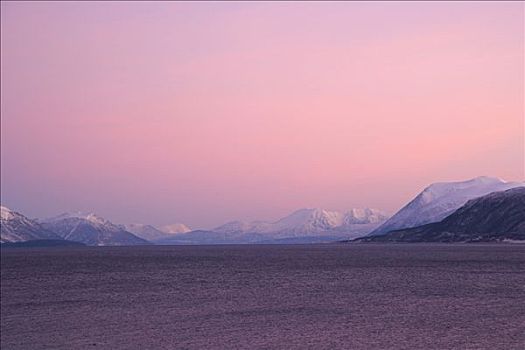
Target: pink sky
{"x":207,"y":112}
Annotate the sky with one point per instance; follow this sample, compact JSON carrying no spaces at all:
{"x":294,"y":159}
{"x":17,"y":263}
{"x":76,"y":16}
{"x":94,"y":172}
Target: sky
{"x":206,"y":112}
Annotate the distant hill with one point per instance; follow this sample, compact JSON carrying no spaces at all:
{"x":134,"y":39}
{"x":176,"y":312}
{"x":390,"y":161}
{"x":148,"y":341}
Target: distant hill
{"x":441,"y":199}
{"x":498,"y":216}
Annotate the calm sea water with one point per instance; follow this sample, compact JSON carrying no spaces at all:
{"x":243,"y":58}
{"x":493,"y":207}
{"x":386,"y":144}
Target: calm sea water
{"x":265,"y":297}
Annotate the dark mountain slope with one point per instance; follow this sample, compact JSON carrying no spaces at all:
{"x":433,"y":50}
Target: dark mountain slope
{"x":497,"y":216}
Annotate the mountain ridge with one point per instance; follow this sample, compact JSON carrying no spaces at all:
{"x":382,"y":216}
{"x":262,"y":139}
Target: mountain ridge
{"x":306,"y":221}
{"x":152,"y":233}
{"x":440,"y":199}
{"x":90,"y":229}
{"x":497,"y":216}
{"x":301,"y":225}
{"x":15,"y":227}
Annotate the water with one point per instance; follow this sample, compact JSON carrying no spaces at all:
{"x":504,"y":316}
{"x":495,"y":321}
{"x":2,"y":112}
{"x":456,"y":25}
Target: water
{"x":282,"y":297}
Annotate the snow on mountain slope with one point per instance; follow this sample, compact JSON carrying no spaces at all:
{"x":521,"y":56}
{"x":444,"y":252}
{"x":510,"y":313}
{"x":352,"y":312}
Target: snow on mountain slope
{"x":15,"y":227}
{"x":495,"y":217}
{"x":440,"y":199}
{"x":364,"y":216}
{"x":90,"y":229}
{"x":144,"y":231}
{"x":309,"y":222}
{"x":6,"y":213}
{"x":151,"y":233}
{"x":175,"y":228}
{"x":240,"y":227}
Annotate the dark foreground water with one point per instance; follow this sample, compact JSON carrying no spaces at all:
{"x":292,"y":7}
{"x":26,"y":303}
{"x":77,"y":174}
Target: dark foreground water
{"x":264,"y":297}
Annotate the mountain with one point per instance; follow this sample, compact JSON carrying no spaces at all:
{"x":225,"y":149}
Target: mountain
{"x":175,"y":228}
{"x":90,"y":229}
{"x":307,"y":222}
{"x":318,"y":222}
{"x":303,"y":225}
{"x":304,"y":222}
{"x":364,"y":216}
{"x":144,"y":231}
{"x":15,"y":227}
{"x":498,"y":216}
{"x":151,"y":233}
{"x":439,"y":200}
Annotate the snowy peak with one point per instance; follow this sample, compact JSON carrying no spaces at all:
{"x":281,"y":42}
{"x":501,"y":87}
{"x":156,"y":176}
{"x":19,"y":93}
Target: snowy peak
{"x":6,"y":213}
{"x":90,"y":218}
{"x":364,"y":216}
{"x":63,"y":216}
{"x":440,"y":199}
{"x":327,"y":219}
{"x":495,"y":217}
{"x":235,"y":227}
{"x":15,"y":227}
{"x":311,"y":219}
{"x":462,"y":190}
{"x":487,"y":180}
{"x":175,"y":228}
{"x":76,"y":215}
{"x":152,"y":233}
{"x":96,"y":219}
{"x":90,"y":229}
{"x":144,"y":231}
{"x":309,"y":222}
{"x":441,"y":189}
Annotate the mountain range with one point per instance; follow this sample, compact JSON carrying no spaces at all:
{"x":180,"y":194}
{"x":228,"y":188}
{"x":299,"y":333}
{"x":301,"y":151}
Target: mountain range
{"x":435,"y":203}
{"x":307,"y":224}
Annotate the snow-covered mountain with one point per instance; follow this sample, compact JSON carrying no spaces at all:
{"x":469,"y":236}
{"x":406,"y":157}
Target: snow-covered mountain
{"x":152,"y":233}
{"x":15,"y":227}
{"x":495,"y":217}
{"x":364,"y":216}
{"x":310,"y":222}
{"x":305,"y":222}
{"x":144,"y":231}
{"x":302,"y":226}
{"x":175,"y":228}
{"x":440,"y":199}
{"x":90,"y":229}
